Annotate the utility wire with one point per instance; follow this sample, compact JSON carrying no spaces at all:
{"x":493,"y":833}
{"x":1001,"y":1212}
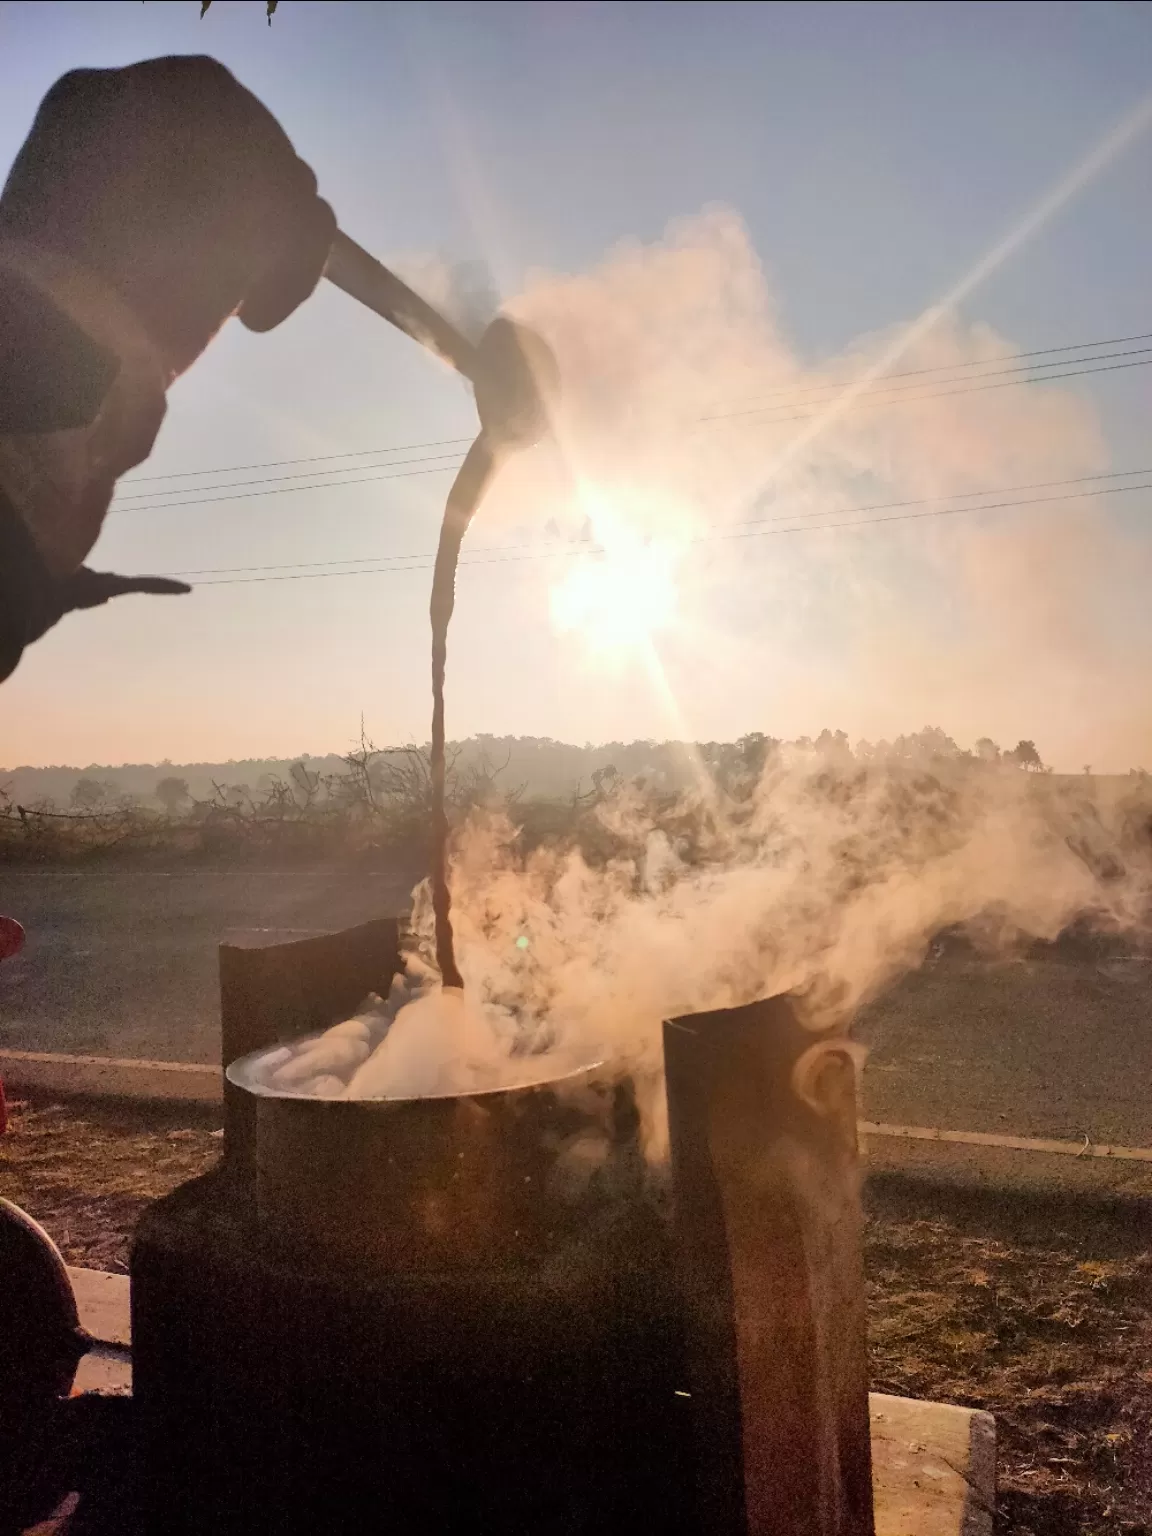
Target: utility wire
{"x":305,"y":572}
{"x":901,"y":398}
{"x":1012,"y":361}
{"x":583,"y":544}
{"x":231,"y":485}
{"x":901,"y":517}
{"x":352,"y":453}
{"x":282,"y":490}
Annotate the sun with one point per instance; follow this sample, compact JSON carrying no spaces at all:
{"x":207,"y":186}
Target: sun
{"x":617,"y":601}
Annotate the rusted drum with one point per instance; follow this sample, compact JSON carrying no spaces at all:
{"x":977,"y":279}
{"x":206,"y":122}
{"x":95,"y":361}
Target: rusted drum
{"x":410,"y":1317}
{"x":394,"y":1186}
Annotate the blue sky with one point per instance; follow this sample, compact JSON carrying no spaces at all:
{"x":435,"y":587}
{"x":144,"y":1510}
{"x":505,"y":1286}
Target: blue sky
{"x":873,"y":153}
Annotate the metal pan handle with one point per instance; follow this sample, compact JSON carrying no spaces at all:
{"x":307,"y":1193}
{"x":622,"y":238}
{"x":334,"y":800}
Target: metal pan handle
{"x":359,"y":274}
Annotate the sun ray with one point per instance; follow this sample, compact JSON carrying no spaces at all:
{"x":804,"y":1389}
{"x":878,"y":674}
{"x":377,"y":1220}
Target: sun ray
{"x":1125,"y":132}
{"x":679,"y":728}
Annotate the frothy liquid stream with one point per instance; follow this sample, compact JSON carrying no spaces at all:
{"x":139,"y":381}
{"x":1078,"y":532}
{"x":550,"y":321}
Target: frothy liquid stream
{"x":465,"y":496}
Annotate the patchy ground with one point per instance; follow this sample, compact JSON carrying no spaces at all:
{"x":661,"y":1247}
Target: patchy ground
{"x":87,"y":1171}
{"x":1039,"y":1310}
{"x":1053,"y":1337}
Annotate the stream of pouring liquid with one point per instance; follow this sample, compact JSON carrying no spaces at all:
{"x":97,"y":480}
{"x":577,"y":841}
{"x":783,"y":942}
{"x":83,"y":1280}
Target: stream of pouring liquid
{"x":465,"y":496}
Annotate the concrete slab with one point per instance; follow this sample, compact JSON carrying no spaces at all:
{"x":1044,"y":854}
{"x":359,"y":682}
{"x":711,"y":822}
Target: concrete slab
{"x":1084,"y":1148}
{"x":934,"y":1465}
{"x":933,"y":1468}
{"x":106,"y":1372}
{"x":1031,"y":1172}
{"x":104,"y":1306}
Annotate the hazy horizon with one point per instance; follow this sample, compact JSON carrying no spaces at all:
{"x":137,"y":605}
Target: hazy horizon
{"x":718,"y":215}
{"x":536,"y":766}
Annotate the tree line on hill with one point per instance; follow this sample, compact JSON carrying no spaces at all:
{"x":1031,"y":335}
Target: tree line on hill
{"x":376,"y":801}
{"x":539,"y":767}
{"x":534,"y":767}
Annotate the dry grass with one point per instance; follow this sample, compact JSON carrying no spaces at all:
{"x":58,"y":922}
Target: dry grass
{"x":1050,"y":1329}
{"x":87,"y":1171}
{"x":1052,"y":1337}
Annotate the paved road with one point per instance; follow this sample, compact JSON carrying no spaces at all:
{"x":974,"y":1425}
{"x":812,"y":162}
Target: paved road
{"x":1054,"y":1047}
{"x":124,"y":964}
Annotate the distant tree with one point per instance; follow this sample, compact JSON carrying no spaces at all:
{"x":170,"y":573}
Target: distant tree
{"x":1087,"y":770}
{"x":605,"y":779}
{"x":987,"y":750}
{"x":88,"y":794}
{"x":172,"y":793}
{"x":833,"y":745}
{"x":306,"y":781}
{"x":755,"y":749}
{"x":930,"y":743}
{"x":1025,"y":755}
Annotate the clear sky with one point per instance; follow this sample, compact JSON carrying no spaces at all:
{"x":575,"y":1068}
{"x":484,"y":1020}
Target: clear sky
{"x":859,"y":160}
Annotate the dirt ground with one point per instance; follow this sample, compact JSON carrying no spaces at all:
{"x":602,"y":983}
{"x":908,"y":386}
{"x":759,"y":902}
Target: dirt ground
{"x":1039,"y":1309}
{"x":1049,"y":1329}
{"x":86,"y":1171}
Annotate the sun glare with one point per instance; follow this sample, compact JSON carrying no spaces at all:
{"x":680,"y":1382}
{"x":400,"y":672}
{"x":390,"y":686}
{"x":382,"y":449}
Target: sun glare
{"x":617,"y":601}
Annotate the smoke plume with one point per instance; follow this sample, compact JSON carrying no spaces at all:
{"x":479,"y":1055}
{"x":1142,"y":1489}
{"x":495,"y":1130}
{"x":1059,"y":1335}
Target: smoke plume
{"x":689,"y":418}
{"x":820,"y":875}
{"x":827,"y":880}
{"x":690,"y":433}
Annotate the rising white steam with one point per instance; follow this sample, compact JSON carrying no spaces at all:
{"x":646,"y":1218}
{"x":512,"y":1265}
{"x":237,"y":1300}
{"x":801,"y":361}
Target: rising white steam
{"x":688,"y":411}
{"x":828,"y":879}
{"x":687,"y":418}
{"x":825,"y":877}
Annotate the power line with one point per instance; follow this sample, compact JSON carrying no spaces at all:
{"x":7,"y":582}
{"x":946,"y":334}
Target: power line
{"x":1015,"y":360}
{"x":901,"y":398}
{"x":923,"y":501}
{"x":901,"y":517}
{"x":582,"y":545}
{"x":1012,"y":359}
{"x":282,"y":490}
{"x":231,"y":485}
{"x":351,"y":453}
{"x":305,"y":571}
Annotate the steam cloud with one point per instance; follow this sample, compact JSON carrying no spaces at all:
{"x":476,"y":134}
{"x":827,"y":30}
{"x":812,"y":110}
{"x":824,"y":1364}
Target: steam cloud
{"x":687,"y":406}
{"x":689,"y":414}
{"x":829,"y":880}
{"x":824,"y":877}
